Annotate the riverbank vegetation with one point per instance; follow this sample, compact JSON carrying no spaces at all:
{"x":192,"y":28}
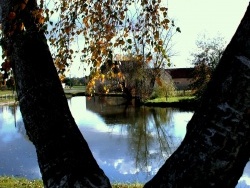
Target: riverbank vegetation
{"x":170,"y":99}
{"x":8,"y":97}
{"x":12,"y":182}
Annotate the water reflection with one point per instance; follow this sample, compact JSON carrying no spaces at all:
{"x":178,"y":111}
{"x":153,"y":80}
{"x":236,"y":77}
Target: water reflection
{"x":148,"y":135}
{"x":7,"y":130}
{"x":130,"y":144}
{"x":18,"y":156}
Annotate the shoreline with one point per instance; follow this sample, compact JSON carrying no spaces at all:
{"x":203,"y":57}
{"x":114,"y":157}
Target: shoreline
{"x":182,"y":104}
{"x":8,"y":103}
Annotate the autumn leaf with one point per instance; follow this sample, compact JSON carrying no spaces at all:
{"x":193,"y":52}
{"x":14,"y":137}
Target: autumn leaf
{"x":121,"y":42}
{"x":23,"y":4}
{"x":95,"y":27}
{"x":158,"y":81}
{"x":12,"y":15}
{"x":149,"y":58}
{"x":67,"y":30}
{"x":85,"y":21}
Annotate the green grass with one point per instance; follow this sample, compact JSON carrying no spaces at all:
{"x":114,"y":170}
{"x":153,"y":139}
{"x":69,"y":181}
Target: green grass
{"x":6,"y":97}
{"x":12,"y":182}
{"x":170,"y":99}
{"x":73,"y":89}
{"x":133,"y":185}
{"x":10,"y":100}
{"x":77,"y":89}
{"x":4,"y":92}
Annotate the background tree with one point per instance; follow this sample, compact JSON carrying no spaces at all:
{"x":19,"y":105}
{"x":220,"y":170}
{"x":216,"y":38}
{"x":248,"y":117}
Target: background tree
{"x":94,"y":28}
{"x":134,"y":70}
{"x":205,"y":59}
{"x":151,"y":60}
{"x":74,"y":81}
{"x":165,"y":88}
{"x":136,"y":76}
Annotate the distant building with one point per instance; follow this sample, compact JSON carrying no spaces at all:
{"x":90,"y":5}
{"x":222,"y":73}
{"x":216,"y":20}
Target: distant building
{"x":182,"y":77}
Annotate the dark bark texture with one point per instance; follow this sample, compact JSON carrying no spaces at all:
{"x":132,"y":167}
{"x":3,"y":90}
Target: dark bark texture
{"x":64,"y":157}
{"x":213,"y":153}
{"x":215,"y":149}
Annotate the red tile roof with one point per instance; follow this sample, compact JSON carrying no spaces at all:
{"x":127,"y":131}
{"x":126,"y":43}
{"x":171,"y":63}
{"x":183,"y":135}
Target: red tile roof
{"x":180,"y":72}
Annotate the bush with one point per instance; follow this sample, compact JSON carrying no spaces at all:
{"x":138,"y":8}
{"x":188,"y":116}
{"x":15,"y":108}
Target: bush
{"x":166,"y":89}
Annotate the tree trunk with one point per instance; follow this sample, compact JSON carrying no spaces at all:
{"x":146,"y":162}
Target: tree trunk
{"x":215,"y":149}
{"x":213,"y":153}
{"x":64,"y":157}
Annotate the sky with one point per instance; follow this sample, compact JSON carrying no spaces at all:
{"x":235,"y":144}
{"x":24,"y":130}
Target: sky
{"x":195,"y":17}
{"x":198,"y":17}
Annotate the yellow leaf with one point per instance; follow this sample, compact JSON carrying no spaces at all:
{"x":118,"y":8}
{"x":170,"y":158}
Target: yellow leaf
{"x":121,"y":42}
{"x":156,"y":36}
{"x":158,"y":80}
{"x":85,"y":21}
{"x":149,"y":59}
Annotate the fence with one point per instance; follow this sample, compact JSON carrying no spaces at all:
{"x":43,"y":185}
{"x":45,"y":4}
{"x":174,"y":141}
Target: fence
{"x":183,"y":93}
{"x":8,"y":96}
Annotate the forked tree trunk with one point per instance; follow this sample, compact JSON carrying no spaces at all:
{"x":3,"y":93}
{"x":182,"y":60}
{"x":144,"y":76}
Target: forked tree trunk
{"x":213,"y":153}
{"x":64,"y":157}
{"x":215,"y":149}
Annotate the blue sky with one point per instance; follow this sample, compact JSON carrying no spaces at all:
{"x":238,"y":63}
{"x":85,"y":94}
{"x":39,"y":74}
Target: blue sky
{"x":196,"y":17}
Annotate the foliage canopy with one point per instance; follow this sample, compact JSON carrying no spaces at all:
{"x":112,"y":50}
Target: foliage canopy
{"x":205,"y":60}
{"x":91,"y":29}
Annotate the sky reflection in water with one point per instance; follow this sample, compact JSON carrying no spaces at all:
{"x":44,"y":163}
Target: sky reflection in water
{"x":130,"y":145}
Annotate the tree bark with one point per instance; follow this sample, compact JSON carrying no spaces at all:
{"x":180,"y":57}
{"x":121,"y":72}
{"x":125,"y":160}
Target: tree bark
{"x":64,"y":157}
{"x":213,"y":153}
{"x":215,"y":149}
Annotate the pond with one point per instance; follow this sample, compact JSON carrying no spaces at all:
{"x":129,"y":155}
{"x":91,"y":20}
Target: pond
{"x":130,"y":144}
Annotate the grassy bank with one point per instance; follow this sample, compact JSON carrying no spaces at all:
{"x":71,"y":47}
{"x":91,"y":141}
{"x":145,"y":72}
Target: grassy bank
{"x":12,"y":182}
{"x":7,"y":98}
{"x":171,"y":99}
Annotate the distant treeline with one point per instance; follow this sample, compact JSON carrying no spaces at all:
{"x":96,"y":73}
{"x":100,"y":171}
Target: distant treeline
{"x":75,"y":81}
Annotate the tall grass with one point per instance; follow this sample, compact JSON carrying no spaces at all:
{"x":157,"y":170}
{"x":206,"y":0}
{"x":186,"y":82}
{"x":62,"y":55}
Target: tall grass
{"x":170,"y":99}
{"x":12,"y":182}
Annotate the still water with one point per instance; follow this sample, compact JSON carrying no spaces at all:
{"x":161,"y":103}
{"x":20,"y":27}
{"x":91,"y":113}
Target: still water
{"x":130,"y":144}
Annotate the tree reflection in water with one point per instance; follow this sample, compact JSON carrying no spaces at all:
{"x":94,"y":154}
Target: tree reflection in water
{"x":151,"y":134}
{"x":15,"y":119}
{"x":150,"y":131}
{"x":147,"y":128}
